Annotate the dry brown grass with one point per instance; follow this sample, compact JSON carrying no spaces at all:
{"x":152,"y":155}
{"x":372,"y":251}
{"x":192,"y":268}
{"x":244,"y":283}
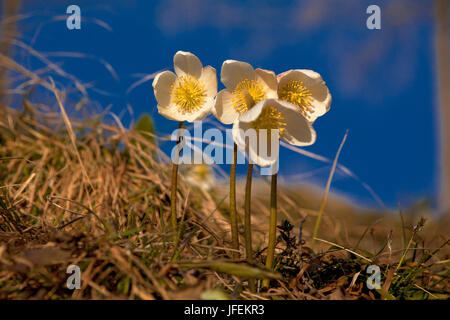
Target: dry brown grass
{"x":85,"y":191}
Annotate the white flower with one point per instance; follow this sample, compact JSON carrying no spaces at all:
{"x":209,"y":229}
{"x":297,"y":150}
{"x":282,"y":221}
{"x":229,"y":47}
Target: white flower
{"x":188,"y":95}
{"x":244,"y":88}
{"x":305,"y":89}
{"x":200,"y":176}
{"x":269,"y":114}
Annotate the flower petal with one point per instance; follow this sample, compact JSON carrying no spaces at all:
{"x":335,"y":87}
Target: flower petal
{"x":320,"y":95}
{"x":269,"y":81}
{"x":234,"y":72}
{"x":263,"y":157}
{"x":209,"y":80}
{"x":162,"y":85}
{"x":223,"y":109}
{"x":172,"y":112}
{"x":187,"y":63}
{"x":298,"y":130}
{"x":255,"y":111}
{"x":250,"y":146}
{"x":319,"y":108}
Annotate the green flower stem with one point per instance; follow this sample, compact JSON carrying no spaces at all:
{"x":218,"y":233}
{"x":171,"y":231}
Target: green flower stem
{"x":173,"y":197}
{"x":248,"y":224}
{"x":272,"y":227}
{"x":233,"y":211}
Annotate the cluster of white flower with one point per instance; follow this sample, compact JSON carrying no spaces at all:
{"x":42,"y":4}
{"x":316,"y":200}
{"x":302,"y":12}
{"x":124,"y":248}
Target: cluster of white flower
{"x":252,"y":99}
{"x":255,"y":101}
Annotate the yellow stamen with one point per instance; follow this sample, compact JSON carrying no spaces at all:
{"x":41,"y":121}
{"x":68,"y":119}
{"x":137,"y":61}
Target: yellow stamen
{"x":270,"y":118}
{"x":296,"y":93}
{"x":188,"y":93}
{"x":246,"y":94}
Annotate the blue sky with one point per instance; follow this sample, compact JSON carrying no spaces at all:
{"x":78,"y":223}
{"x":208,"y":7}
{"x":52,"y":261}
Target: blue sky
{"x":382,"y":81}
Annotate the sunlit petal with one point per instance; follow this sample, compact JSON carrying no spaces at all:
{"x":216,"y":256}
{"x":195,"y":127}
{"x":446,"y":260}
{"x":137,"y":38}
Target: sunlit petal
{"x":240,"y":131}
{"x":223,"y":109}
{"x":187,"y":63}
{"x":209,"y":80}
{"x":162,"y":86}
{"x":234,"y":72}
{"x":269,"y":81}
{"x":173,"y":112}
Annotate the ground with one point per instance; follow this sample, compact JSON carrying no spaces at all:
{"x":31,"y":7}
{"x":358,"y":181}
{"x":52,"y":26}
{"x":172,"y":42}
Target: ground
{"x":85,"y":192}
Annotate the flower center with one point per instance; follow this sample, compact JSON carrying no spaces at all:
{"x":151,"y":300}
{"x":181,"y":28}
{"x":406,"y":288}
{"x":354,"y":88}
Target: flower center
{"x":270,"y":118}
{"x":246,"y":94}
{"x":296,"y":93}
{"x":188,"y":93}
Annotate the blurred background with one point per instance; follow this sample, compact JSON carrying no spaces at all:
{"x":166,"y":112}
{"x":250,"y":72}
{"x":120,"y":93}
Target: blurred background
{"x":389,"y":86}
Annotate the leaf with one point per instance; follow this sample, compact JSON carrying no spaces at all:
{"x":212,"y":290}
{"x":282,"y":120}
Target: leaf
{"x":145,"y":124}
